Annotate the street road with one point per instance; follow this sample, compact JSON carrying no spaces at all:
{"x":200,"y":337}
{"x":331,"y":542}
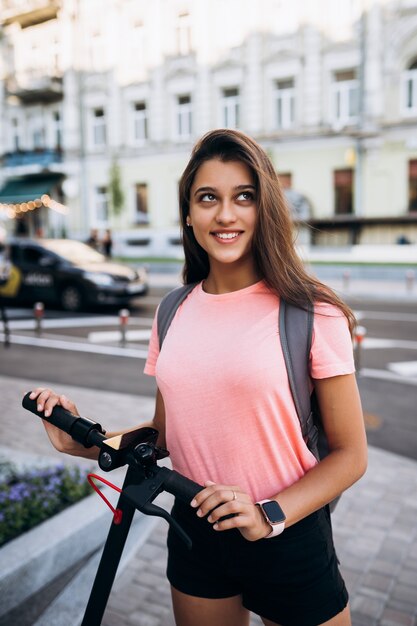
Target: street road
{"x":85,"y":350}
{"x":388,"y":375}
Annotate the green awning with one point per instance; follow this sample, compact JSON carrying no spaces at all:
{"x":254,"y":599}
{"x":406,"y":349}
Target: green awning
{"x":26,"y":188}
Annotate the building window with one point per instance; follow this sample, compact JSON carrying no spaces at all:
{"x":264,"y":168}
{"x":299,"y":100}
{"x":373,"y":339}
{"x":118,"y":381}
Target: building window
{"x":230,"y":107}
{"x":36,"y":133}
{"x":38,"y":141}
{"x":412,"y":185}
{"x":57,"y":130}
{"x":184,"y":117}
{"x":141,"y":207}
{"x":101,"y":205}
{"x":140,"y":122}
{"x":410,"y":89}
{"x":15,"y":135}
{"x":183,"y":32}
{"x":343,"y":191}
{"x":99,"y":127}
{"x":345,"y":98}
{"x":286,"y":180}
{"x":285,"y":103}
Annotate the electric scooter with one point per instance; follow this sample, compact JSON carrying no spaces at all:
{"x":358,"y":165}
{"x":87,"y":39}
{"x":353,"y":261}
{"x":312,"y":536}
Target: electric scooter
{"x":143,"y":482}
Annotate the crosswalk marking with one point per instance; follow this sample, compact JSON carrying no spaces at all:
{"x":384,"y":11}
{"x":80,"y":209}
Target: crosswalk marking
{"x":386,"y":316}
{"x":116,"y":335}
{"x":376,"y":343}
{"x":86,"y":322}
{"x":404,"y":368}
{"x":77,"y":346}
{"x":367,"y":372}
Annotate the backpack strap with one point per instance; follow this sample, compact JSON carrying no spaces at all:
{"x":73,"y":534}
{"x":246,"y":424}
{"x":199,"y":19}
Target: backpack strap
{"x":168,"y":307}
{"x":296,"y":329}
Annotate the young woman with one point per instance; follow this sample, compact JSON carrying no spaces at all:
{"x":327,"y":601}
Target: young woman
{"x":224,"y":407}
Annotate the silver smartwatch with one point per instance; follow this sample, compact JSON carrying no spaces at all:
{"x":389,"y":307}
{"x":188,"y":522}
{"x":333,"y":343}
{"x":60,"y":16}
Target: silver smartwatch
{"x":274,"y":515}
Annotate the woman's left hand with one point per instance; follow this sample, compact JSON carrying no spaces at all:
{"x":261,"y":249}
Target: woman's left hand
{"x":217,"y":501}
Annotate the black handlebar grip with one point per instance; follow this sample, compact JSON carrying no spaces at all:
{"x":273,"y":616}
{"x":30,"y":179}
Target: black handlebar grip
{"x":181,"y":487}
{"x":59,"y":417}
{"x":81,"y":429}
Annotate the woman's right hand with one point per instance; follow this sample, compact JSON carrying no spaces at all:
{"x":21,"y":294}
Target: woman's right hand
{"x":46,"y":400}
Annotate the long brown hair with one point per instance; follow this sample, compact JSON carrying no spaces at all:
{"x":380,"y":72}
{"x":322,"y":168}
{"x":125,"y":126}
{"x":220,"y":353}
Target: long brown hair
{"x":276,"y":259}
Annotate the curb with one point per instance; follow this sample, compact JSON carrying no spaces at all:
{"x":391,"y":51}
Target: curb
{"x":37,"y":557}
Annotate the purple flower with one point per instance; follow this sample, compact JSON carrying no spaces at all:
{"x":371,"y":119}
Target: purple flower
{"x":29,"y":498}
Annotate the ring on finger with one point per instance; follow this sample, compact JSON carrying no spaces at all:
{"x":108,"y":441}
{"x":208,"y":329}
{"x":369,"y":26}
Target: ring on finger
{"x":234,"y":495}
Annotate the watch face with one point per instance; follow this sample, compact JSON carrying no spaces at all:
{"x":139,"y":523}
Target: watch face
{"x":273,"y":512}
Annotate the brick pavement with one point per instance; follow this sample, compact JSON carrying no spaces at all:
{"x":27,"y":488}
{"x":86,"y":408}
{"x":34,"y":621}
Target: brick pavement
{"x":141,"y":596}
{"x":375,"y":529}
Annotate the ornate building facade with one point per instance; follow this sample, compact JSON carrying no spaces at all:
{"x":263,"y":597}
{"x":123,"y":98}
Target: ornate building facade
{"x":98,"y":93}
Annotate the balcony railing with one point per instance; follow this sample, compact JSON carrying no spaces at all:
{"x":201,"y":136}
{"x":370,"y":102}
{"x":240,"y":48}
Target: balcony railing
{"x":35,"y":86}
{"x":42,"y":157}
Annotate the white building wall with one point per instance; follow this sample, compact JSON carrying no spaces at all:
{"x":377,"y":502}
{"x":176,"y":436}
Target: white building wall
{"x":311,"y":87}
{"x":312,"y":169}
{"x":373,"y":68}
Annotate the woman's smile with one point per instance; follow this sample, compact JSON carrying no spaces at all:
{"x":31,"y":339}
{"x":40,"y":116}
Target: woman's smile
{"x":226,"y":236}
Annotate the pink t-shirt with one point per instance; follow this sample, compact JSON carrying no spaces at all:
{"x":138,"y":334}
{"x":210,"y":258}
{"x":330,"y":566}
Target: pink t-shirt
{"x":230,"y":416}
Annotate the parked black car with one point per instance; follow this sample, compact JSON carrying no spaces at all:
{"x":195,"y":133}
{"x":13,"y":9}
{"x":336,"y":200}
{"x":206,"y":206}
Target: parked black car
{"x":69,"y":273}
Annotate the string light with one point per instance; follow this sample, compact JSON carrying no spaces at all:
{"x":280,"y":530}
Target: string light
{"x":12,"y":210}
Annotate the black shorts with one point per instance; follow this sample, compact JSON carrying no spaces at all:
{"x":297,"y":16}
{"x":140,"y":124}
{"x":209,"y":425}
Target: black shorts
{"x":292,"y":579}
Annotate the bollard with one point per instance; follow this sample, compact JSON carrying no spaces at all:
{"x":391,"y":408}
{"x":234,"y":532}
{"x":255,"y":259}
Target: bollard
{"x":360,"y":333}
{"x":123,"y":319}
{"x":410,"y":277}
{"x":38,"y":311}
{"x":346,"y":280}
{"x":6,"y":328}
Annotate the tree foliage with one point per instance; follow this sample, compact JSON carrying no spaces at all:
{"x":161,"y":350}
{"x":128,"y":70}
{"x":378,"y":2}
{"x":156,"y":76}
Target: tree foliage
{"x":117,"y":198}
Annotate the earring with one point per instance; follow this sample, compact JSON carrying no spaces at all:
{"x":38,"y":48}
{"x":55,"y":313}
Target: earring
{"x":188,"y":224}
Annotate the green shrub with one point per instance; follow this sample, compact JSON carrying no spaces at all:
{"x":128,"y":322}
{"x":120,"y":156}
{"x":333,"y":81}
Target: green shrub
{"x":29,"y":498}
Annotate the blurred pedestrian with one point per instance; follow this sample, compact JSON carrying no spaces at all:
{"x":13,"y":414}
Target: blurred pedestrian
{"x":93,"y":240}
{"x":403,"y":240}
{"x":4,"y":260}
{"x":261,"y":531}
{"x":412,"y":202}
{"x":107,"y":243}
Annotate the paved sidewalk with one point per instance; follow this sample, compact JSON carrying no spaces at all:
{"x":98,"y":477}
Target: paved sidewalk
{"x":375,"y":524}
{"x":375,"y":529}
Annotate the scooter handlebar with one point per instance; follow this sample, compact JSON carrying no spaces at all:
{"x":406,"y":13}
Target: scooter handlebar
{"x":181,"y":487}
{"x":89,"y":433}
{"x":82,"y":429}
